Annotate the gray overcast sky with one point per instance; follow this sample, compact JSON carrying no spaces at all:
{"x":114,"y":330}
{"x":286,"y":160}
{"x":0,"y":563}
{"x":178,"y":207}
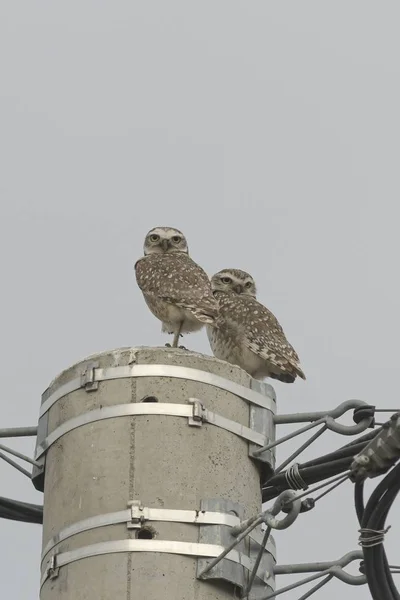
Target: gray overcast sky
{"x":267,"y":132}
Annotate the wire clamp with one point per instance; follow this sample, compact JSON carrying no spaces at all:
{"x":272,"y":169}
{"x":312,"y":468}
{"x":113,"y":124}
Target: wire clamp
{"x":372,"y":537}
{"x":52,"y":569}
{"x":196,"y":419}
{"x":380,"y":454}
{"x":139,"y":514}
{"x":364,"y":412}
{"x":88,"y":377}
{"x":294,"y":479}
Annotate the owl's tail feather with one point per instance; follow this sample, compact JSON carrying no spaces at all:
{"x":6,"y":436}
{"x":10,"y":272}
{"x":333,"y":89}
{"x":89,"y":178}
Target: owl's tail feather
{"x":300,"y":373}
{"x":289,"y":377}
{"x":285,"y":377}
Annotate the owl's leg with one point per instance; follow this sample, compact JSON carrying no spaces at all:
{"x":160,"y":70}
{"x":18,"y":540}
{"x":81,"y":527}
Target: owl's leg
{"x":177,"y":335}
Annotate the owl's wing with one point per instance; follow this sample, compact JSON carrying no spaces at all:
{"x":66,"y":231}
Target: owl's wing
{"x":177,"y":279}
{"x":260,"y":331}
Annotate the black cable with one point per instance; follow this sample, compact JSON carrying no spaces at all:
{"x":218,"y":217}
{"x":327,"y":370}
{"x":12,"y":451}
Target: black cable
{"x":373,"y":517}
{"x":377,"y":569}
{"x":20,"y":511}
{"x":359,"y":500}
{"x":350,"y":449}
{"x":320,"y":468}
{"x":310,"y":475}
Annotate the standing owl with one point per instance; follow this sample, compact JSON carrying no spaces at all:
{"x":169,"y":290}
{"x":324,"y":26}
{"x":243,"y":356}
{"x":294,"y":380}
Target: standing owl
{"x":248,"y":334}
{"x":175,"y":288}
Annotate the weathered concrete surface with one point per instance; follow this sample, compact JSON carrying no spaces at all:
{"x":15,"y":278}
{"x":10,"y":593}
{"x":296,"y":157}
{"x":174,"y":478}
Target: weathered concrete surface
{"x":160,"y":460}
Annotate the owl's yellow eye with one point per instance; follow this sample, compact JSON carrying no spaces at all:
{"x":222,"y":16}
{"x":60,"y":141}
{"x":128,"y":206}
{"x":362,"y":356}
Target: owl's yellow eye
{"x":154,"y":237}
{"x":176,"y":239}
{"x":226,"y":280}
{"x":248,"y":284}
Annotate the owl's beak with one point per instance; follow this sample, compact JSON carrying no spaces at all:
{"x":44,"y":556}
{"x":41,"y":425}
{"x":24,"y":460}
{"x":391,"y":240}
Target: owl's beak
{"x":238,"y":289}
{"x":164,"y":245}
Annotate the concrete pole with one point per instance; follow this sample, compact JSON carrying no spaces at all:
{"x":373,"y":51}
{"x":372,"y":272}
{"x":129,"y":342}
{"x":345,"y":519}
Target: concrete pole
{"x":161,"y":462}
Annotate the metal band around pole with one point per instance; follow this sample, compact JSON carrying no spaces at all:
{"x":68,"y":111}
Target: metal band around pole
{"x":144,"y":408}
{"x":152,"y":515}
{"x":147,"y":514}
{"x":240,"y":430}
{"x":109,"y":373}
{"x":160,"y":546}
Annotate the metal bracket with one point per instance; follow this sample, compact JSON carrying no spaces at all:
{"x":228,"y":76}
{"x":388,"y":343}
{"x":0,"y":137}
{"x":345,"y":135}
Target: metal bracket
{"x":248,"y":547}
{"x":88,"y":380}
{"x":39,"y":470}
{"x":52,"y":569}
{"x":262,"y":421}
{"x":381,"y":453}
{"x":221,"y":535}
{"x":196,"y":420}
{"x":139,"y":514}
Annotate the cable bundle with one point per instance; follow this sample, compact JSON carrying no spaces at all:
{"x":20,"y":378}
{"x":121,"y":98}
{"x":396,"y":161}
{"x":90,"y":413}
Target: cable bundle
{"x":20,"y":511}
{"x":372,"y":520}
{"x":320,"y":468}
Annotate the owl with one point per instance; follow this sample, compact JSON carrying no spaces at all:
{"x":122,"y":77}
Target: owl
{"x":247,"y":334}
{"x":175,"y":288}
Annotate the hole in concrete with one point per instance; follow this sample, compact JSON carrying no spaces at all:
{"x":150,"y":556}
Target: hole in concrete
{"x":145,"y":533}
{"x":149,"y":399}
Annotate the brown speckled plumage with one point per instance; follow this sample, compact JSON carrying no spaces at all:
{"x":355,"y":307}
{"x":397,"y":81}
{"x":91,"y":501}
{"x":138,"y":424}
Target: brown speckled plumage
{"x":175,"y":288}
{"x":247,"y":333}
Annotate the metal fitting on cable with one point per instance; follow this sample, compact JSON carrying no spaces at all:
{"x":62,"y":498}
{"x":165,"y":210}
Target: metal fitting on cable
{"x":372,"y":537}
{"x":285,"y":502}
{"x":382,"y":452}
{"x":294,"y":479}
{"x":288,"y":498}
{"x":364,"y":412}
{"x":306,"y":505}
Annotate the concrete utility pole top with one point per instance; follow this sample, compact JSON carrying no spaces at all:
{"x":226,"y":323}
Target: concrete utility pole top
{"x":147,"y":465}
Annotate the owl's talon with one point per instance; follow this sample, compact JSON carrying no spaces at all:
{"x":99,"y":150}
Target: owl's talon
{"x":182,"y":348}
{"x":168,"y":345}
